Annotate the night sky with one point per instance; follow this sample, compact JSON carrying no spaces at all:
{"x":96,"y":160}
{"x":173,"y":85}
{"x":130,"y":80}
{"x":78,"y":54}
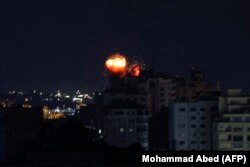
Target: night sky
{"x":50,"y":45}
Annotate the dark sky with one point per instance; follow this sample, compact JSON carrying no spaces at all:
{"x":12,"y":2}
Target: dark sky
{"x":62,"y":44}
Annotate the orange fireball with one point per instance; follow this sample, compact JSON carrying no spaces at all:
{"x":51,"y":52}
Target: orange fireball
{"x":116,"y":64}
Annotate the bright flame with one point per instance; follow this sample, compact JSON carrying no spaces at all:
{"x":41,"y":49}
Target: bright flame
{"x":116,"y":63}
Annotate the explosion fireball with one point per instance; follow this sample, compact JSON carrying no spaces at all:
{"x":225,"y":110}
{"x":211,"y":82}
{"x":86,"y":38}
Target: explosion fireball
{"x":117,"y":64}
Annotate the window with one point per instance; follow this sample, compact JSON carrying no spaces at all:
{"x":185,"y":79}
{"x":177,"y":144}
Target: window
{"x":193,"y":142}
{"x":203,"y":117}
{"x":238,"y":138}
{"x":193,"y":109}
{"x":142,"y":120}
{"x":236,"y":119}
{"x":248,"y":129}
{"x":202,"y":125}
{"x":228,"y":129}
{"x":193,"y":118}
{"x":203,"y":142}
{"x":182,"y":125}
{"x":181,"y":109}
{"x":214,"y":108}
{"x":142,"y":128}
{"x":248,"y":138}
{"x":203,"y":134}
{"x":131,"y":121}
{"x":193,"y":126}
{"x":119,"y":113}
{"x":237,"y":145}
{"x":247,"y":119}
{"x":237,"y":129}
{"x":182,"y":142}
{"x":202,"y":109}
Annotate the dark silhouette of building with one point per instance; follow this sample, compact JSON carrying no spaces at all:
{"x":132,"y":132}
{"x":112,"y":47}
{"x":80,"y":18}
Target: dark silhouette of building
{"x":197,"y":75}
{"x":2,"y":134}
{"x":159,"y":131}
{"x":22,"y":126}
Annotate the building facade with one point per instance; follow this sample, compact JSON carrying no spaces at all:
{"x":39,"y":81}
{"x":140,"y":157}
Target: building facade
{"x":126,"y":124}
{"x":233,"y":125}
{"x":197,"y":88}
{"x":190,"y":125}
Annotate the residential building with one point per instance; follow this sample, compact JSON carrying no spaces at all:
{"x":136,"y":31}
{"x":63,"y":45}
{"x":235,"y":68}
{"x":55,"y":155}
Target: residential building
{"x":190,"y":125}
{"x":233,"y":126}
{"x":126,"y":123}
{"x":197,"y":88}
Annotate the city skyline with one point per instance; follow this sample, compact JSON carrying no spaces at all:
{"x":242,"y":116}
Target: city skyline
{"x":107,"y":82}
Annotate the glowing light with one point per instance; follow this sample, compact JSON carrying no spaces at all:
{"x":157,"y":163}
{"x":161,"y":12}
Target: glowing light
{"x":135,"y":71}
{"x":116,"y":64}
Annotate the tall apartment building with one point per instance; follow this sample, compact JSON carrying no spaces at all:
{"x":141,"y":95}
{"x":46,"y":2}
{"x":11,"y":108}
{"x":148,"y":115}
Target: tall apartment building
{"x":154,"y":91}
{"x":161,"y":91}
{"x":190,"y":125}
{"x":197,"y":88}
{"x":126,"y":123}
{"x":233,"y":125}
